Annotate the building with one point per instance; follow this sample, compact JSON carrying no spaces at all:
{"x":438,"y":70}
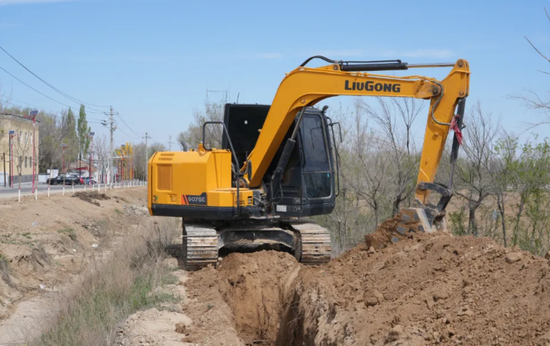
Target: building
{"x":16,"y":149}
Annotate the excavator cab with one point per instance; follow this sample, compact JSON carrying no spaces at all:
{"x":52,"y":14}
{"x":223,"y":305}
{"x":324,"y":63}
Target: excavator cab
{"x":308,"y":184}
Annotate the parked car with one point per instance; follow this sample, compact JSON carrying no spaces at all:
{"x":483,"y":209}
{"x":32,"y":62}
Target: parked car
{"x":70,"y":179}
{"x":87,"y":180}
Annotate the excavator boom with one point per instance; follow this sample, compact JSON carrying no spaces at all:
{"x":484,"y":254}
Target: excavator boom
{"x":305,"y":87}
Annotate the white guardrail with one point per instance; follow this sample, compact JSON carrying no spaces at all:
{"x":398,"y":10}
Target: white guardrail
{"x":40,"y":189}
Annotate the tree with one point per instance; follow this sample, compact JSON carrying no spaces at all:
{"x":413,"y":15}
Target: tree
{"x":474,"y":170}
{"x":532,"y":176}
{"x":140,"y":160}
{"x":534,"y":100}
{"x":83,"y":133}
{"x":50,"y":151}
{"x":398,"y":147}
{"x":366,"y":167}
{"x":3,"y":121}
{"x":21,"y":147}
{"x":68,"y":135}
{"x":213,"y":111}
{"x":102,"y":149}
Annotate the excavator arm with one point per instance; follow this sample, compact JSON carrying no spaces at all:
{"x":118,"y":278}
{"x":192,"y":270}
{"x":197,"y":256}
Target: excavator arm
{"x":306,"y":86}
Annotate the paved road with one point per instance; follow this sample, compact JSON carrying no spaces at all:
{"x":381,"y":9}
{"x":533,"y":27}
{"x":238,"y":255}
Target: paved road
{"x":26,"y":189}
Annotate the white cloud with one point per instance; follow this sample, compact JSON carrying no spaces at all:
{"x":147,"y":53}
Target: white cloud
{"x":19,"y":2}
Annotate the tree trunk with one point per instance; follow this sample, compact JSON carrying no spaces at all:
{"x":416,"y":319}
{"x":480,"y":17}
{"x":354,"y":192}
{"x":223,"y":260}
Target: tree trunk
{"x":472,"y":222}
{"x":375,"y":208}
{"x":396,"y":204}
{"x":501,"y":208}
{"x":518,"y":217}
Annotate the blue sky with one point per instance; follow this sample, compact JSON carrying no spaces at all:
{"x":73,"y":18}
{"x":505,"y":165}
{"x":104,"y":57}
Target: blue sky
{"x":153,"y":60}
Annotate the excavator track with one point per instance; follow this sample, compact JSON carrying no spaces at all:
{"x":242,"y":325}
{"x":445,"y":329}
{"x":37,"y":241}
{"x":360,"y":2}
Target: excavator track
{"x":316,"y":245}
{"x":201,"y":242}
{"x":200,"y":246}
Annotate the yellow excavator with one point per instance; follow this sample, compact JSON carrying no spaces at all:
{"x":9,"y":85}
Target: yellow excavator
{"x":278,"y":164}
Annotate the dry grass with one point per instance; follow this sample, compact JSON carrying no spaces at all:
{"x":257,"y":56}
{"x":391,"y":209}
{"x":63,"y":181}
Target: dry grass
{"x":5,"y":269}
{"x":113,"y":290}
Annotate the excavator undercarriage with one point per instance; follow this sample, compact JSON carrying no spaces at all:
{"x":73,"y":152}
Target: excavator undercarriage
{"x":203,"y":242}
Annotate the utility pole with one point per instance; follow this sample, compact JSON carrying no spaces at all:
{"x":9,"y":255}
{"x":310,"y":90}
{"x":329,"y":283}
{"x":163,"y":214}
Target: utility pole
{"x":111,"y":124}
{"x":111,"y":151}
{"x":226,"y":92}
{"x":169,"y":143}
{"x":146,"y":153}
{"x":90,"y":168}
{"x":32,"y":115}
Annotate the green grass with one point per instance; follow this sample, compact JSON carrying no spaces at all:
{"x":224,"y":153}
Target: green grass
{"x":5,"y":269}
{"x":169,"y":279}
{"x":7,"y":239}
{"x":118,"y":211}
{"x":27,"y":235}
{"x":106,"y":297}
{"x":68,"y":231}
{"x":3,"y":260}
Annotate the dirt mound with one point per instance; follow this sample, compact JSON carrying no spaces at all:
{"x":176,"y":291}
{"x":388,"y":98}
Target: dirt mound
{"x":426,"y":290}
{"x":382,"y":237}
{"x":91,"y":197}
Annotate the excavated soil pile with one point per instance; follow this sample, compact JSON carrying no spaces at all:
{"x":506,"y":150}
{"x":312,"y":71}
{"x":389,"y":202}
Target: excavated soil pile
{"x":432,"y":289}
{"x":426,"y":289}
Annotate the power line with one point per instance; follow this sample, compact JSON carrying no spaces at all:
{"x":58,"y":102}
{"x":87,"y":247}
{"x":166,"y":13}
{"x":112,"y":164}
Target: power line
{"x":127,"y":134}
{"x":10,"y":99}
{"x":41,"y":93}
{"x":74,"y":99}
{"x":136,"y":133}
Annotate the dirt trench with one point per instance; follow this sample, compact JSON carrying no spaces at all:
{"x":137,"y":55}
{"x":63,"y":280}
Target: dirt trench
{"x":427,"y":289}
{"x":255,"y":287}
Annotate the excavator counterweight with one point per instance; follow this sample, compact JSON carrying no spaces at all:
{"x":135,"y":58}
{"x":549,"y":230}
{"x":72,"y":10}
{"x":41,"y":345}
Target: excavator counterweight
{"x":278,"y":164}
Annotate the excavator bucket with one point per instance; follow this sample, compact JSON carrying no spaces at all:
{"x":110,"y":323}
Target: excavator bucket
{"x":424,"y":218}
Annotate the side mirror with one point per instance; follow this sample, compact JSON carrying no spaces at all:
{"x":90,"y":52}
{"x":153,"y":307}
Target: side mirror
{"x":339,"y":130}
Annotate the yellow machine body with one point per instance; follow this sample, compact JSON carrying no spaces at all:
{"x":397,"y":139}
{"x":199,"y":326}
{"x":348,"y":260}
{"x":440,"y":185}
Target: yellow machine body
{"x":197,"y":178}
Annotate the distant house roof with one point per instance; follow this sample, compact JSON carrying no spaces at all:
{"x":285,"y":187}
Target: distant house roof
{"x":17,"y":117}
{"x":81,"y":165}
